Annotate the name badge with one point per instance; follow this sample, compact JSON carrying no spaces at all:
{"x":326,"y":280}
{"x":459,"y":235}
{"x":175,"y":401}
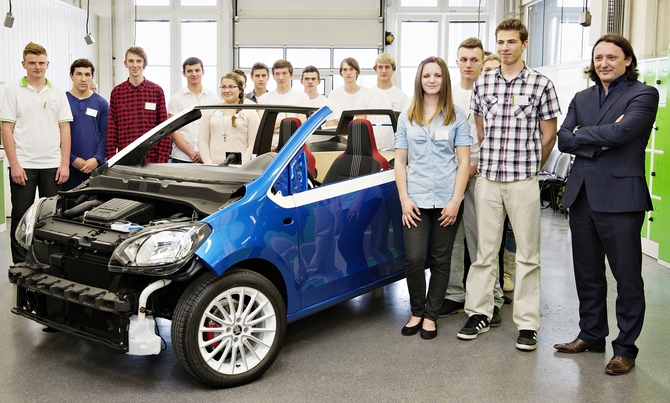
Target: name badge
{"x":151,"y":106}
{"x":441,"y":135}
{"x":91,"y":112}
{"x":520,"y":100}
{"x":50,"y":105}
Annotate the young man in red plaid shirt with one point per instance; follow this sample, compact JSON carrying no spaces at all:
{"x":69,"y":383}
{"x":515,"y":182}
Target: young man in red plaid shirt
{"x":136,"y":106}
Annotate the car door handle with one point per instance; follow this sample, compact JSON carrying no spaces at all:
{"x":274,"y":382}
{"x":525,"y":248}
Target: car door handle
{"x":288,"y":221}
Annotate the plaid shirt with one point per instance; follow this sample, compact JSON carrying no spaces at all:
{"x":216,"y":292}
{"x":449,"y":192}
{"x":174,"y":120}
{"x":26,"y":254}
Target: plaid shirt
{"x":133,"y":111}
{"x":512,"y":111}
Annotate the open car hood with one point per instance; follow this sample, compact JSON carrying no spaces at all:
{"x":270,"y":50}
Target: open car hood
{"x":136,"y":152}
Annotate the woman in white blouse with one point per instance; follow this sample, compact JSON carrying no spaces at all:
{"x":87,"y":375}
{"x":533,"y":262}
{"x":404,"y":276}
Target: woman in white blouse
{"x":228,"y":130}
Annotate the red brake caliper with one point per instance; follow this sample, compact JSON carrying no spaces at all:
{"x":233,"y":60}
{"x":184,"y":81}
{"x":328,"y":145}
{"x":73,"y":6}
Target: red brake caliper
{"x":210,"y":335}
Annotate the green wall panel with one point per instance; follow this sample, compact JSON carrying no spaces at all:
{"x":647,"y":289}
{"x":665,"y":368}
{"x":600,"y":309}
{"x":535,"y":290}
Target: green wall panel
{"x":662,"y":83}
{"x":662,"y":139}
{"x":647,"y":72}
{"x":655,"y":73}
{"x":660,"y":228}
{"x":660,"y":172}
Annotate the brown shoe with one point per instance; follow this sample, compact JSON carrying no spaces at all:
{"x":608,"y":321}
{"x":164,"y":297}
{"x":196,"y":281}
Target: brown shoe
{"x":620,"y":365}
{"x":578,"y":346}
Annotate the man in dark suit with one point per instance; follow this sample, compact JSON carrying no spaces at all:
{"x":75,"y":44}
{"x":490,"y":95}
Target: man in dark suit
{"x":607,"y":129}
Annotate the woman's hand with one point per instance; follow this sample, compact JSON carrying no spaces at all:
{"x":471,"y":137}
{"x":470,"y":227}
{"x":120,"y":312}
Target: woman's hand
{"x":449,"y":213}
{"x":410,"y":213}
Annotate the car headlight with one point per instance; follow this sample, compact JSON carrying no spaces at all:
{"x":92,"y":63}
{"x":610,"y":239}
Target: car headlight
{"x":159,"y":251}
{"x":26,"y":228}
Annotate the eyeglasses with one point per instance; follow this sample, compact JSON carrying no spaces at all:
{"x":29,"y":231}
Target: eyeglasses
{"x":230,"y":87}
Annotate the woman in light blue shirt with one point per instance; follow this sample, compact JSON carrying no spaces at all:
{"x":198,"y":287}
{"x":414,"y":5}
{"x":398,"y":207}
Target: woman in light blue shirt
{"x":431,"y":181}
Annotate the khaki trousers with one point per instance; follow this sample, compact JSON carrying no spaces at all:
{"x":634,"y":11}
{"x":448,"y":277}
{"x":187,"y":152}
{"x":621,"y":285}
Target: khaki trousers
{"x":521,"y":201}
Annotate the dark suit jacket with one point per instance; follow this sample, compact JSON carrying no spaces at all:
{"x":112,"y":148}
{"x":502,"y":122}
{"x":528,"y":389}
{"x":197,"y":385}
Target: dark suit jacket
{"x":615,"y":178}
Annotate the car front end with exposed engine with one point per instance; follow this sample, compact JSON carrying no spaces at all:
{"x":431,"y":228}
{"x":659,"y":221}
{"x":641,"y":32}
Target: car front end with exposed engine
{"x":229,"y":254}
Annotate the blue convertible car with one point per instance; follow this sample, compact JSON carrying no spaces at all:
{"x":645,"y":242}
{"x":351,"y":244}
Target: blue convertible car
{"x":230,"y":254}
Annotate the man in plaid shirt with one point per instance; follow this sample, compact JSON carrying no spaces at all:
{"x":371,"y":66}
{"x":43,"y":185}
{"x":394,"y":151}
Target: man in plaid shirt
{"x":136,"y":106}
{"x":515,"y":112}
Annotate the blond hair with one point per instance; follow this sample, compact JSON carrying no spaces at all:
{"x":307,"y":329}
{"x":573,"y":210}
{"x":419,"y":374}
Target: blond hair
{"x":472,"y":43}
{"x":492,"y":57}
{"x":384,"y":58}
{"x":33,"y":49}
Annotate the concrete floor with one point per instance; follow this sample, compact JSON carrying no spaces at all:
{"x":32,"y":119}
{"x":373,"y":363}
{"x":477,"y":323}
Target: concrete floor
{"x":354,"y":353}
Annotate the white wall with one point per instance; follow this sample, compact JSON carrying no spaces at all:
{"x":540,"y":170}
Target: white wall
{"x":568,"y":79}
{"x":101,"y":11}
{"x":649,"y":28}
{"x":57,"y":26}
{"x":104,"y":74}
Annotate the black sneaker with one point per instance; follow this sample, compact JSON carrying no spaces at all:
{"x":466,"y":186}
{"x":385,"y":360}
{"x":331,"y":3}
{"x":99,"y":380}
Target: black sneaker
{"x":496,"y":319}
{"x":450,"y":307}
{"x":476,"y":324}
{"x":527,"y":340}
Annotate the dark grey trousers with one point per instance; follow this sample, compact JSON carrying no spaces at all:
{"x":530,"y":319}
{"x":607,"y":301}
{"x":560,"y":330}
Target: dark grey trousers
{"x":23,"y":197}
{"x":429,"y":239}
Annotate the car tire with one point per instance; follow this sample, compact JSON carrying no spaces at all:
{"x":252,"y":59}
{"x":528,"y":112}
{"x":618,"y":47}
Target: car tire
{"x":244,"y":339}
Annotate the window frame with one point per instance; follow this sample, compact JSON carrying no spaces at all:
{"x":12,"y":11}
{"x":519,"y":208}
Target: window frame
{"x":443,"y":20}
{"x":175,"y":13}
{"x":327,"y":74}
{"x":538,"y":44}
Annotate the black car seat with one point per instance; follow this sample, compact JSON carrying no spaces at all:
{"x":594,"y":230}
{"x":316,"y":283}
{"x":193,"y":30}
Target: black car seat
{"x":287,"y":127}
{"x":361,"y":156}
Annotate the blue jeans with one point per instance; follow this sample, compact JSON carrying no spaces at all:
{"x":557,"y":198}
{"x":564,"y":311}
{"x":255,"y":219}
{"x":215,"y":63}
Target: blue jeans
{"x":416,"y":251}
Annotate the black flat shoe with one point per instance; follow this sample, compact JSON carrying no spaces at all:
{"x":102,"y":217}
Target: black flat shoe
{"x":428,"y":334}
{"x":411,"y":330}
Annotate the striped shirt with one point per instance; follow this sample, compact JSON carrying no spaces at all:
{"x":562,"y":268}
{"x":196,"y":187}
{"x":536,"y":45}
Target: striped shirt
{"x":133,"y":111}
{"x":512,"y":111}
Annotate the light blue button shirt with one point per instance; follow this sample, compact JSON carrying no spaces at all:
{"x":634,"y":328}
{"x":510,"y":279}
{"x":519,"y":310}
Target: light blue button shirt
{"x":431,"y":159}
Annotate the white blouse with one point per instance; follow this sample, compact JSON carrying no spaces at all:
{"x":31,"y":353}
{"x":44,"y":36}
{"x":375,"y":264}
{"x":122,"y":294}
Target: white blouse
{"x":218,"y":136}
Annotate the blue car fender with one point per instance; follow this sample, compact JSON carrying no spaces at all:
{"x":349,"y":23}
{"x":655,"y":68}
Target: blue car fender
{"x":255,"y":227}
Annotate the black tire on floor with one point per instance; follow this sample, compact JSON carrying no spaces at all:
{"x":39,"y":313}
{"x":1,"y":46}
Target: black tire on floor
{"x":244,"y":339}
